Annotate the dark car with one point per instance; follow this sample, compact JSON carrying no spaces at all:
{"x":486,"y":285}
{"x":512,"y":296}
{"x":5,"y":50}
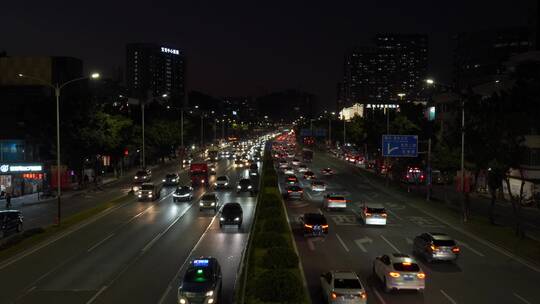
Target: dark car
{"x":209,"y":201}
{"x":10,"y":220}
{"x":245,"y":185}
{"x":309,"y":175}
{"x":148,"y":191}
{"x":183,"y":193}
{"x":231,"y":214}
{"x":201,"y":282}
{"x":291,"y":179}
{"x":142,"y":176}
{"x":295,"y":192}
{"x":212,"y":169}
{"x":314,"y":224}
{"x":436,"y":247}
{"x":171,"y":179}
{"x":253,"y":169}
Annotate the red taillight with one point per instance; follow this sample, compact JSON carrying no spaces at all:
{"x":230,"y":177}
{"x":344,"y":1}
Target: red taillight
{"x":434,"y":248}
{"x":384,"y":214}
{"x":421,"y":275}
{"x":325,"y":226}
{"x":289,"y":191}
{"x":368,"y":214}
{"x":308,"y":226}
{"x":363,"y":295}
{"x":334,"y":295}
{"x":394,"y":274}
{"x":455,"y":250}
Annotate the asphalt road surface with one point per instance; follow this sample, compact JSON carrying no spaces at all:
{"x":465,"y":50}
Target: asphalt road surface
{"x":135,"y":253}
{"x":483,"y":274}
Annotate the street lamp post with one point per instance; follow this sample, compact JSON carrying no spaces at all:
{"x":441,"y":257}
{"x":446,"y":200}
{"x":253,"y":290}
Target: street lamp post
{"x":57,"y":90}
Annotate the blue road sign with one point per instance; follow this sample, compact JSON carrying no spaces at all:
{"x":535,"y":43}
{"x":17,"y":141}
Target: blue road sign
{"x":400,"y":145}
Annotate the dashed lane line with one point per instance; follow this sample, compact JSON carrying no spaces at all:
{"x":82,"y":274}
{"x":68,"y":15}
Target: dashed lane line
{"x":449,"y":298}
{"x":521,"y":298}
{"x":342,"y":243}
{"x":378,"y":295}
{"x":390,"y":244}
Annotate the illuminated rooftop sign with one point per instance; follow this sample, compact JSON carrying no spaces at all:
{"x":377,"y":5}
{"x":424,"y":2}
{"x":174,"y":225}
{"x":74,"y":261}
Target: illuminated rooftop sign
{"x":170,"y":51}
{"x":200,"y":263}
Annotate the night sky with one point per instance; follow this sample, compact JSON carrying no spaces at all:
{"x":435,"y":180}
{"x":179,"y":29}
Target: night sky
{"x":244,"y":48}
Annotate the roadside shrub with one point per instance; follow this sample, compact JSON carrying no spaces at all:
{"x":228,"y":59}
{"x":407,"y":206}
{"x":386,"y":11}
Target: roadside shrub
{"x":275,"y":224}
{"x":269,"y":239}
{"x":270,"y":180}
{"x":280,"y":257}
{"x":278,"y":285}
{"x":11,"y":241}
{"x":270,"y":212}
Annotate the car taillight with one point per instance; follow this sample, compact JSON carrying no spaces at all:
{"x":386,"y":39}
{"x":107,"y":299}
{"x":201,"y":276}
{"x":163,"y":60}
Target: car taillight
{"x":421,"y":275}
{"x":289,"y":191}
{"x":325,"y":226}
{"x":433,"y":248}
{"x":368,"y":214}
{"x":363,"y":295}
{"x":384,"y":214}
{"x":308,"y":226}
{"x":394,"y":274}
{"x":334,"y":295}
{"x":455,"y":250}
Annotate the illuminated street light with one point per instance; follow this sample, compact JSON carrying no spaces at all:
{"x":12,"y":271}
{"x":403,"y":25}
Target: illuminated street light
{"x":430,"y":81}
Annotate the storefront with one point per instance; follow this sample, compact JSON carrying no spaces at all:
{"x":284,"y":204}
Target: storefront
{"x":21,"y":178}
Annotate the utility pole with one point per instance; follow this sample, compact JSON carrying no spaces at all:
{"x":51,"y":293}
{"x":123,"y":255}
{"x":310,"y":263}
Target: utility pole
{"x":429,"y":176}
{"x":330,"y":131}
{"x":223,"y":129}
{"x":143,"y":149}
{"x":465,"y":209}
{"x":182,"y":127}
{"x":344,"y":130}
{"x":202,"y":130}
{"x":387,"y":158}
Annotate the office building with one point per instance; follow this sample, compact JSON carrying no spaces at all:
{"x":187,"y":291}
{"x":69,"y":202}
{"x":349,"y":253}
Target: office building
{"x":154,"y":70}
{"x":394,"y":64}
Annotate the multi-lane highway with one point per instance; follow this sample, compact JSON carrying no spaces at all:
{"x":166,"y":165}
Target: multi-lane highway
{"x":484,"y":273}
{"x":135,"y":252}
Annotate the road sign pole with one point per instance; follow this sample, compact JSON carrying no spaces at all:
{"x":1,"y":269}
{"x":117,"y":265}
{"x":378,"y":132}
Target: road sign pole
{"x":429,"y":175}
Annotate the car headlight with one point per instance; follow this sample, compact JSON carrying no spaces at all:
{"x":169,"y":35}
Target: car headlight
{"x":201,"y":204}
{"x":140,"y":195}
{"x":215,"y":184}
{"x":213,"y":204}
{"x":249,"y":187}
{"x":239,"y":187}
{"x":164,"y":180}
{"x":226,"y":184}
{"x":144,"y":177}
{"x":149,"y":195}
{"x":237,"y":219}
{"x":210,"y":293}
{"x":182,"y":301}
{"x":174,"y":180}
{"x":136,"y":177}
{"x":221,"y":218}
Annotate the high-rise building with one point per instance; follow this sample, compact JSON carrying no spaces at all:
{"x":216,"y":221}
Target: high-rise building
{"x":395,"y":64}
{"x":479,"y":57}
{"x":154,"y":69}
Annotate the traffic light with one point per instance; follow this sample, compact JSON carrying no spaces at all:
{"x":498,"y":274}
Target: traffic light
{"x":126,"y":152}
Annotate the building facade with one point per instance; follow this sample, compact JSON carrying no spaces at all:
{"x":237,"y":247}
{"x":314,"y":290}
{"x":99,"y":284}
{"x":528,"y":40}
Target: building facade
{"x":394,"y":64}
{"x":154,"y":69}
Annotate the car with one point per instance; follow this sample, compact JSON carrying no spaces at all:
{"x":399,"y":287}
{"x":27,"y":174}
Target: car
{"x":283,"y":164}
{"x":302,"y":168}
{"x":253,"y":169}
{"x":398,"y":271}
{"x":294,"y":191}
{"x":212,"y":169}
{"x":143,"y":176}
{"x":334,"y":201}
{"x":436,"y":247}
{"x":373,"y":214}
{"x":238,"y":163}
{"x":309,"y":175}
{"x":10,"y":220}
{"x":245,"y":185}
{"x":171,"y":179}
{"x":231,"y":214}
{"x":209,"y":201}
{"x":327,"y":171}
{"x":291,"y":179}
{"x":222,"y":182}
{"x":343,"y":287}
{"x":314,"y":224}
{"x":183,"y":193}
{"x":318,"y":186}
{"x":295,"y":162}
{"x":202,"y":282}
{"x":148,"y":191}
{"x":288,"y":170}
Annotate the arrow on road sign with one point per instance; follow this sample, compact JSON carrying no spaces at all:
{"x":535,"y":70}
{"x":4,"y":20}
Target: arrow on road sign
{"x":360,"y":243}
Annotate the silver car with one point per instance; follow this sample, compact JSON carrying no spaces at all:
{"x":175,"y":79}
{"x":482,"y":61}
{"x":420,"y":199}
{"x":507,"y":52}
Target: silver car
{"x":209,"y":201}
{"x":435,"y":247}
{"x":399,"y":271}
{"x":343,"y":287}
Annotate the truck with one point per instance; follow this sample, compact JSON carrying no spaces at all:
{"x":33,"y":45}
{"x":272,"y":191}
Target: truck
{"x":307,"y":155}
{"x":199,"y":174}
{"x":212,"y":153}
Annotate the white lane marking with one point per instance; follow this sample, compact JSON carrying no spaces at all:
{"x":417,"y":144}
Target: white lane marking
{"x":342,"y":242}
{"x":521,"y":298}
{"x":379,"y":296}
{"x":320,"y":211}
{"x":61,"y":236}
{"x":177,"y":274}
{"x":394,"y":215}
{"x":360,"y":243}
{"x":468,"y":234}
{"x":100,"y":242}
{"x":448,"y":297}
{"x":311,"y":245}
{"x":390,"y":244}
{"x":409,"y":241}
{"x":92,"y":299}
{"x":470,"y":248}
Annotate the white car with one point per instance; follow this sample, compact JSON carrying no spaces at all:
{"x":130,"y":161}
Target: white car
{"x":303,"y":168}
{"x":222,"y":182}
{"x":295,"y":162}
{"x":283,"y":164}
{"x":317,"y":185}
{"x":334,"y":201}
{"x":288,"y":170}
{"x":399,"y":271}
{"x":343,"y":287}
{"x":373,"y":214}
